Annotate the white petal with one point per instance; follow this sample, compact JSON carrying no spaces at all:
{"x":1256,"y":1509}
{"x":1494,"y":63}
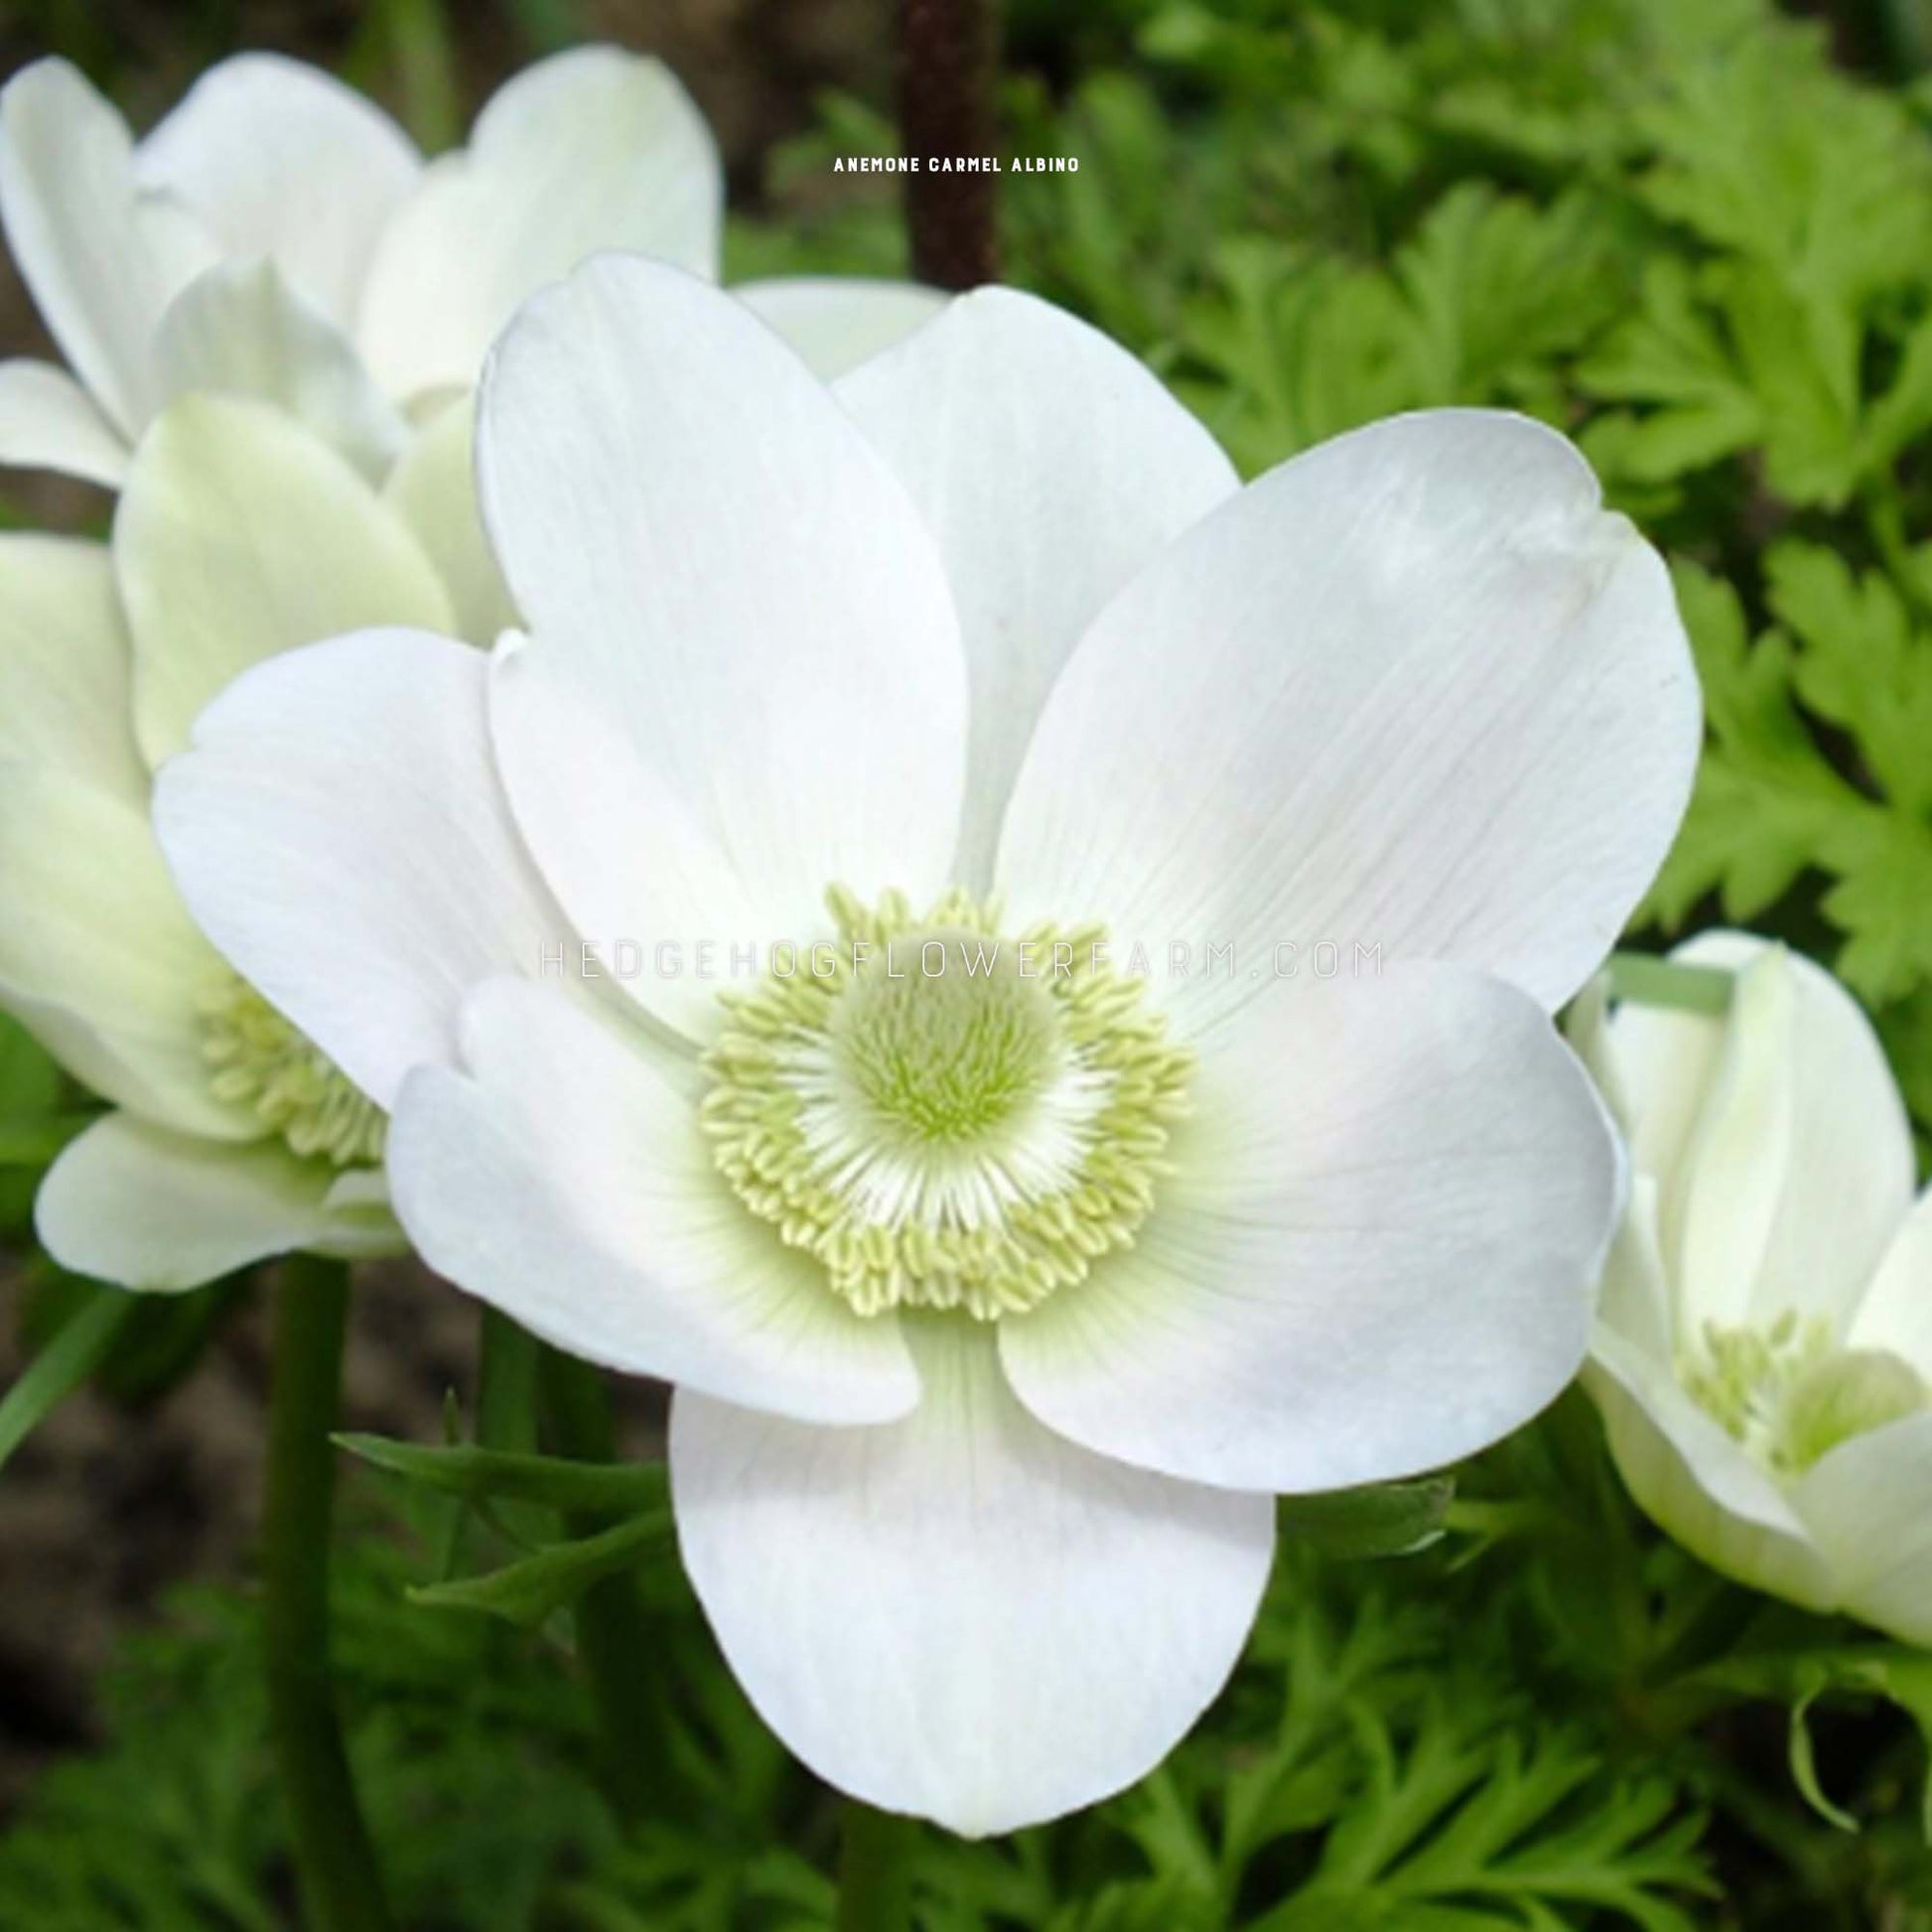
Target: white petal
{"x":592,"y":150}
{"x":1698,"y":1484}
{"x":49,"y":422}
{"x":835,"y":322}
{"x":1868,"y":1504}
{"x":98,"y":957}
{"x":240,"y":534}
{"x":146,"y":1208}
{"x":1050,"y":466}
{"x":1412,"y":690}
{"x":279,"y":159}
{"x":1896,"y":1312}
{"x":1800,"y":1169}
{"x":101,"y":260}
{"x":66,"y":664}
{"x":1635,"y":1297}
{"x":433,"y":489}
{"x":339,"y":831}
{"x":241,"y":331}
{"x":726,"y":586}
{"x":1664,"y":1061}
{"x":564,"y":1179}
{"x":1378,"y":1253}
{"x":960,"y":1616}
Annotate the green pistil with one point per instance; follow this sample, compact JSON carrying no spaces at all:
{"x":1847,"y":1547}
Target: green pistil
{"x":257,"y":1059}
{"x":954,"y":1121}
{"x":1790,"y":1395}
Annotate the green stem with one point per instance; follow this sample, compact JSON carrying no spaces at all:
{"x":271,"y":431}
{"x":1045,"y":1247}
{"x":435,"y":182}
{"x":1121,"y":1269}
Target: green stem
{"x":614,"y":1636}
{"x":1652,"y":981}
{"x":875,"y":1870}
{"x":334,"y":1862}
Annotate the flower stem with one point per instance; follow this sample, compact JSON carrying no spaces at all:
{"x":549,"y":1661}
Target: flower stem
{"x":1652,"y":981}
{"x":614,"y":1636}
{"x":334,"y":1862}
{"x":875,"y":1870}
{"x":948,"y":61}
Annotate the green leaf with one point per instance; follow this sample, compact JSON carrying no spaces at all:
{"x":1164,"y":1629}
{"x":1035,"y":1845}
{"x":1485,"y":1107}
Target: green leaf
{"x":1862,"y":663}
{"x":60,"y":1367}
{"x":529,"y":1591}
{"x":1389,"y":1519}
{"x":1801,"y":1677}
{"x":1772,"y":803}
{"x":484,"y":1475}
{"x":1673,"y":357}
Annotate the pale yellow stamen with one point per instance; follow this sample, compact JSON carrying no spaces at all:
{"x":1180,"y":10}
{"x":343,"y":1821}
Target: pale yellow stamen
{"x":1790,"y":1393}
{"x":944,"y":1117}
{"x":257,"y":1059}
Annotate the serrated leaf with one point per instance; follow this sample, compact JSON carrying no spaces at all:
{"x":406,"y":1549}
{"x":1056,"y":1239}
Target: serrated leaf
{"x":484,"y":1475}
{"x":526,"y":1593}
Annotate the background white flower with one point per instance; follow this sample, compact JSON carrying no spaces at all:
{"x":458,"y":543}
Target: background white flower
{"x":239,"y":534}
{"x":1765,"y":1340}
{"x":991,"y":619}
{"x":277,"y":236}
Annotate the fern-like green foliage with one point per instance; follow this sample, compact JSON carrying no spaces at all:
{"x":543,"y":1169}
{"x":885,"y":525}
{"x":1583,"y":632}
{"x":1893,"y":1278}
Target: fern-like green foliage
{"x":1365,"y":1772}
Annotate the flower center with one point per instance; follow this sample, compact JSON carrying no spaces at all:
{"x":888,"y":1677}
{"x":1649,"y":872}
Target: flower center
{"x":1790,"y":1394}
{"x":944,"y":1117}
{"x":257,"y":1059}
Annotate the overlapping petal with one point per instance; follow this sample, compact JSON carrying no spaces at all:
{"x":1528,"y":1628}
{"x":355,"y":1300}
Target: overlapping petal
{"x":835,"y":322}
{"x":241,"y":331}
{"x":98,"y":957}
{"x":1050,"y":466}
{"x":1800,"y":1167}
{"x":101,"y":260}
{"x":589,"y":150}
{"x":145,"y":1208}
{"x":743,"y":649}
{"x":1412,"y":690}
{"x":338,"y":830}
{"x":281,"y":161}
{"x":241,"y":535}
{"x":1895,"y":1311}
{"x":962,"y":1614}
{"x":1864,"y":1504}
{"x":1378,"y":1253}
{"x":49,"y":422}
{"x":562,"y":1175}
{"x":433,"y":489}
{"x":1699,"y":1485}
{"x":66,"y":664}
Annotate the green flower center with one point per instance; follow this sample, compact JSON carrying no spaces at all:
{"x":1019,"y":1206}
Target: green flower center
{"x":257,"y":1059}
{"x":1790,"y":1394}
{"x":944,"y":1117}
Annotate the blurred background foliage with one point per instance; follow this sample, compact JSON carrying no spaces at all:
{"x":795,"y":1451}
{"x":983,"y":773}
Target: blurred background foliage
{"x":1696,"y":235}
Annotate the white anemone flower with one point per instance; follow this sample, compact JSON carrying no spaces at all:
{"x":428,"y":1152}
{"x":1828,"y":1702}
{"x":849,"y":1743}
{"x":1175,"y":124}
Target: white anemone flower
{"x":239,"y":534}
{"x":1764,"y":1361}
{"x":278,"y":235}
{"x":997,"y":1303}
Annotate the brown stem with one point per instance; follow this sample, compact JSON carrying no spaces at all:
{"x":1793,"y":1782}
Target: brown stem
{"x":948,"y":60}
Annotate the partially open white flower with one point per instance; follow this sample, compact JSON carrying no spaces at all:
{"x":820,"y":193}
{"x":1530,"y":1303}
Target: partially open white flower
{"x":279,"y":236}
{"x":998,"y":1303}
{"x":239,"y":534}
{"x":1763,"y":1359}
